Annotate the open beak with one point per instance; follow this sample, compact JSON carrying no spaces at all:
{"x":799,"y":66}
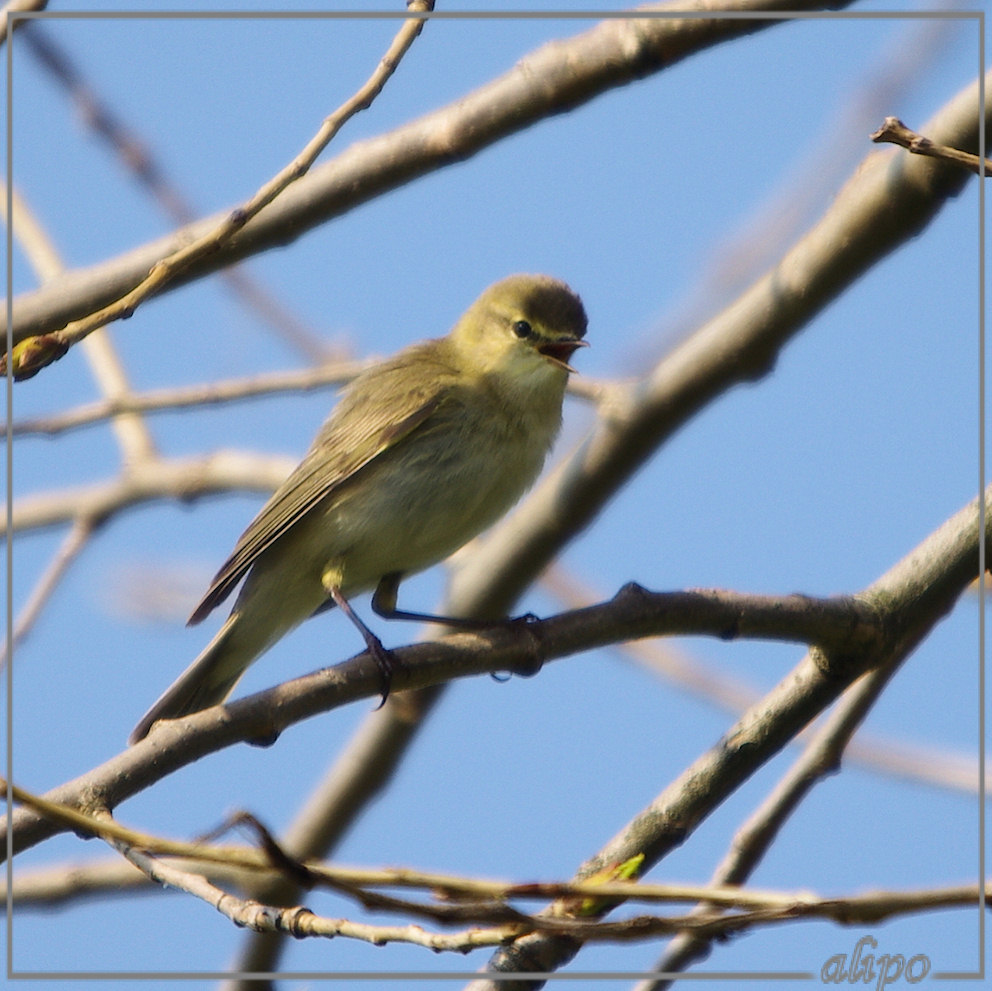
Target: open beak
{"x":561,"y":351}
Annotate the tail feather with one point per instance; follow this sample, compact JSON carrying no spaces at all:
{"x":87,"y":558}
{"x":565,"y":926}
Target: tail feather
{"x":206,"y":682}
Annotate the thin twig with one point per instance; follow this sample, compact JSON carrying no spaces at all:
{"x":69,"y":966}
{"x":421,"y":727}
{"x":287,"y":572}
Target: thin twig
{"x":143,"y":851}
{"x":32,"y":355}
{"x":894,"y":131}
{"x":755,"y":837}
{"x":137,"y":158}
{"x":331,"y":373}
{"x":184,"y":397}
{"x":132,"y":432}
{"x":73,"y":544}
{"x":301,"y":922}
{"x":913,"y":595}
{"x":168,"y":478}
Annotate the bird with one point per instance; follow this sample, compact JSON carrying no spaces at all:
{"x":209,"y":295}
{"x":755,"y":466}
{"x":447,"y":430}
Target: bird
{"x":423,"y":451}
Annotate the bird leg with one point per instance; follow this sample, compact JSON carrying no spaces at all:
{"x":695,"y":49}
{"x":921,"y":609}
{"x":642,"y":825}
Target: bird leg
{"x":384,"y":659}
{"x":384,"y":605}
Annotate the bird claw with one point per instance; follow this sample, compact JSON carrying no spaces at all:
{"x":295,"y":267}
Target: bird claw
{"x":387,"y":663}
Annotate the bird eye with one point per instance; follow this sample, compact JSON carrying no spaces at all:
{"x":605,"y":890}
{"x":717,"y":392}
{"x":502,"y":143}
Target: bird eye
{"x":522,"y":329}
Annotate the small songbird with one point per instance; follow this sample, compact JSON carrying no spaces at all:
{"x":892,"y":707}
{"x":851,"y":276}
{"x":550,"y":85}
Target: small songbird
{"x":423,"y":452}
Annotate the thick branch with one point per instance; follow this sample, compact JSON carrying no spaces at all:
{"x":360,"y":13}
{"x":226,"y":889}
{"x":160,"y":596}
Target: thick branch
{"x":912,"y":596}
{"x":885,"y":204}
{"x":554,"y":79}
{"x":900,"y":607}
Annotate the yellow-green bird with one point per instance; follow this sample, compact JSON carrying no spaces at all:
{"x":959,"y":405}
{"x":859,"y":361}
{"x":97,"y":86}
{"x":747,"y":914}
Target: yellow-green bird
{"x":423,"y":452}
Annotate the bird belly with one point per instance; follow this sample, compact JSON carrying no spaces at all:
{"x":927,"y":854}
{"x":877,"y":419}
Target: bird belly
{"x":411,"y":513}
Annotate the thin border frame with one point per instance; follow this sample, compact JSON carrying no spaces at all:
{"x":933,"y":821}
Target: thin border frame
{"x":16,"y":17}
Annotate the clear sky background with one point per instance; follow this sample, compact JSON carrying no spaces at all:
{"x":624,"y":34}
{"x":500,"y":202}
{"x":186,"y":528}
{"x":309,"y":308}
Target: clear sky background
{"x":657,"y":202}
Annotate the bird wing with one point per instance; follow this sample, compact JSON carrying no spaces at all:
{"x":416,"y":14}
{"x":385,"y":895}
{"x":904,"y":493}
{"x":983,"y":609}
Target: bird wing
{"x":378,"y":411}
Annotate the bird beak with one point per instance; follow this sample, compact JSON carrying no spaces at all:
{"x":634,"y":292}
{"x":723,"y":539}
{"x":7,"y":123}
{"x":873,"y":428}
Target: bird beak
{"x":561,"y":350}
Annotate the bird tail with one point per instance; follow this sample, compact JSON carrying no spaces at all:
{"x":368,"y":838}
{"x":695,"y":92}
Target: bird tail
{"x":206,"y":682}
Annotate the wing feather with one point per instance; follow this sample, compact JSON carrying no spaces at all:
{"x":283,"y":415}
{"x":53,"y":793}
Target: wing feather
{"x":377,"y":411}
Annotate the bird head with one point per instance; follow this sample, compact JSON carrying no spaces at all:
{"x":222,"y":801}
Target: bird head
{"x":525,"y":327}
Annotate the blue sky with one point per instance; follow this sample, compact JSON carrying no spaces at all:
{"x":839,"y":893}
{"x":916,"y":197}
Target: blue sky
{"x":653,"y":202}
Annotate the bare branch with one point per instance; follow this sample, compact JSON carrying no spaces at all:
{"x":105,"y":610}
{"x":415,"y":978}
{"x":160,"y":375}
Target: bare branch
{"x":752,"y":841}
{"x":133,"y":437}
{"x":176,"y":478}
{"x":894,"y":131}
{"x":691,"y":674}
{"x":17,"y":7}
{"x":554,"y":79}
{"x":132,"y":433}
{"x":29,"y":358}
{"x":883,"y":205}
{"x":329,"y":373}
{"x":925,"y":583}
{"x":184,"y":397}
{"x":139,"y":160}
{"x":483,"y":901}
{"x":906,"y":603}
{"x":73,"y":544}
